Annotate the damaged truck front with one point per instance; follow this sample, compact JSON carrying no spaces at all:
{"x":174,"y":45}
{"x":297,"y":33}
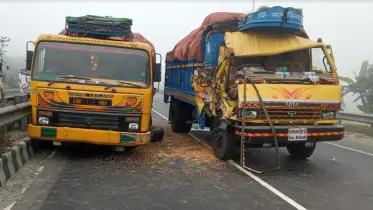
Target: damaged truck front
{"x":255,"y":83}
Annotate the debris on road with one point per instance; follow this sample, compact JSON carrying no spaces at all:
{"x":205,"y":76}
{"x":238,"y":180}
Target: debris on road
{"x":174,"y":148}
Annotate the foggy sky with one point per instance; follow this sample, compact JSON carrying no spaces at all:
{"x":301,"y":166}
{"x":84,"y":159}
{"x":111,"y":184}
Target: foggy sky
{"x":346,"y":25}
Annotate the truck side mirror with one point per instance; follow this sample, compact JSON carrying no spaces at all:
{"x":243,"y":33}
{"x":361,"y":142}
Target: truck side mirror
{"x":157,"y":72}
{"x":29,"y":55}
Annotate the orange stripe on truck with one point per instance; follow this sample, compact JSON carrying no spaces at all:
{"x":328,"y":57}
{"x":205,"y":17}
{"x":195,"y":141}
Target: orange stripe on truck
{"x":285,"y":134}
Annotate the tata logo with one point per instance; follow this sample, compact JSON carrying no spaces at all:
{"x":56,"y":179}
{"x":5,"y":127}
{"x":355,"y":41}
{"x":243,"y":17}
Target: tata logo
{"x":292,"y":114}
{"x":293,"y":104}
{"x":89,"y":120}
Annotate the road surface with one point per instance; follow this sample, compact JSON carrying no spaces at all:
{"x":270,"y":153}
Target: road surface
{"x":181,"y":173}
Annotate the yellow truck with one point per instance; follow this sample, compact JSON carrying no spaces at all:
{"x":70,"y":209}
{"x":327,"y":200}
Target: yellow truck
{"x":93,"y":83}
{"x":257,"y":81}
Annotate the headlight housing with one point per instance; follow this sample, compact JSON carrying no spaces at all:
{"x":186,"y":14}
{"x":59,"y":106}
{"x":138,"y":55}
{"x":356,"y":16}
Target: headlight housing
{"x":250,"y":114}
{"x":328,"y":115}
{"x":43,"y":120}
{"x":133,"y":126}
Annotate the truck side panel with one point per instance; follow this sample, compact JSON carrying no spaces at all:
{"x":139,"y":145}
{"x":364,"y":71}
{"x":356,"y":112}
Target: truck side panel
{"x":180,"y":93}
{"x":179,"y":74}
{"x":178,"y":79}
{"x":212,"y":49}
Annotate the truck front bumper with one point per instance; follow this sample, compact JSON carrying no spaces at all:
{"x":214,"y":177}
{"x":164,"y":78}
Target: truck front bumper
{"x":260,"y":135}
{"x":103,"y":137}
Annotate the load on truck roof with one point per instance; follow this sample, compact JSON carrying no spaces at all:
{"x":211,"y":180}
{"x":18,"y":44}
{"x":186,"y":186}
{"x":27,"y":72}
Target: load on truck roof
{"x":103,"y":27}
{"x":192,"y":46}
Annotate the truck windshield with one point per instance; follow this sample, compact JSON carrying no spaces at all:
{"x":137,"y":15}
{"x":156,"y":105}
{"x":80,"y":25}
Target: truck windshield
{"x":69,"y":62}
{"x":300,"y":61}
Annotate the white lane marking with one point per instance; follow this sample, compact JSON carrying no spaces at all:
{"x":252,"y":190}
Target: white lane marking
{"x":164,"y":117}
{"x":23,"y":190}
{"x":199,"y":140}
{"x":40,"y":169}
{"x":257,"y":179}
{"x":268,"y":186}
{"x":53,"y":153}
{"x":10,"y":206}
{"x":348,"y":148}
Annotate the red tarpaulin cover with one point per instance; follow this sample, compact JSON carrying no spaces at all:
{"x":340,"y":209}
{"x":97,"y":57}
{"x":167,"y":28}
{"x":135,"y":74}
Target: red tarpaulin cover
{"x":189,"y":47}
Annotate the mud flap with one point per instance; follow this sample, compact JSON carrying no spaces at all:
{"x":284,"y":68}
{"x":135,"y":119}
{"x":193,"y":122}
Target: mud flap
{"x":166,"y":98}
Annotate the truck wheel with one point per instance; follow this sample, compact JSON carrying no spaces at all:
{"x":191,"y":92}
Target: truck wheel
{"x":157,"y":134}
{"x":300,"y":151}
{"x":224,"y":144}
{"x":179,"y":117}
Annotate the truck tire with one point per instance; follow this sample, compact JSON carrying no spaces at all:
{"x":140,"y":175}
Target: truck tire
{"x":299,"y":151}
{"x":157,"y":134}
{"x":179,"y":115}
{"x":224,"y":144}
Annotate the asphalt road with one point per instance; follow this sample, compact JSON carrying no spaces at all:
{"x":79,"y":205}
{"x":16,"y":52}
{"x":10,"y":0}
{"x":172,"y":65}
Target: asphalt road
{"x":336,"y":176}
{"x":180,"y":173}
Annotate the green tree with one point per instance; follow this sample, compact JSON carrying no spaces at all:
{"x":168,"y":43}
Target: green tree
{"x":361,"y":87}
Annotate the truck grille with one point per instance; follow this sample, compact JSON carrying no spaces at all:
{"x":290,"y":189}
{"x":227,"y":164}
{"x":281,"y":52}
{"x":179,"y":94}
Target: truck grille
{"x":94,"y":121}
{"x":89,"y":120}
{"x":292,"y":114}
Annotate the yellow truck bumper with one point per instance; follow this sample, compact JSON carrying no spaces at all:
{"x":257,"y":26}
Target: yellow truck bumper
{"x":66,"y":134}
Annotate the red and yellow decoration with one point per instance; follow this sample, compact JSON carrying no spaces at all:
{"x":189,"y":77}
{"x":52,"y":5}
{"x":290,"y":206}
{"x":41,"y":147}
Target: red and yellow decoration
{"x":61,"y":99}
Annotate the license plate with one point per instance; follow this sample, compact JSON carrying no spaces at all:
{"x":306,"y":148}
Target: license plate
{"x":297,"y":134}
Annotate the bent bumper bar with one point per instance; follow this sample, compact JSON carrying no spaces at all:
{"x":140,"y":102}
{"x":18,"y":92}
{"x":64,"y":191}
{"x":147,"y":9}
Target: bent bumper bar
{"x":91,"y":136}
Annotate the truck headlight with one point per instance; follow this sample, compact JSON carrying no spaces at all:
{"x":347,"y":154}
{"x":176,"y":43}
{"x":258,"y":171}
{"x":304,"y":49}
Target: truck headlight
{"x":133,"y":126}
{"x":43,"y":120}
{"x":328,"y":115}
{"x":250,"y":114}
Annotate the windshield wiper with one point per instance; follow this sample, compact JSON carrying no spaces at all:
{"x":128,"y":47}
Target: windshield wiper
{"x":73,"y":77}
{"x":124,"y":83}
{"x":68,"y":77}
{"x":128,"y":83}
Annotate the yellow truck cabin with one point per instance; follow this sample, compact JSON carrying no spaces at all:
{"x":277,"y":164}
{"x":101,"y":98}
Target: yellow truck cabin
{"x":92,"y":89}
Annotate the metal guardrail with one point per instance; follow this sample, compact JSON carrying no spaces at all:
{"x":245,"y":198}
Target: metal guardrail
{"x":9,"y":99}
{"x":11,"y":91}
{"x":18,"y":115}
{"x":361,"y":118}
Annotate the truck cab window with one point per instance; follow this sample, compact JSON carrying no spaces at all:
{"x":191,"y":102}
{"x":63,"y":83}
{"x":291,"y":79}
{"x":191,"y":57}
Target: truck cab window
{"x":56,"y":59}
{"x":319,"y":60}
